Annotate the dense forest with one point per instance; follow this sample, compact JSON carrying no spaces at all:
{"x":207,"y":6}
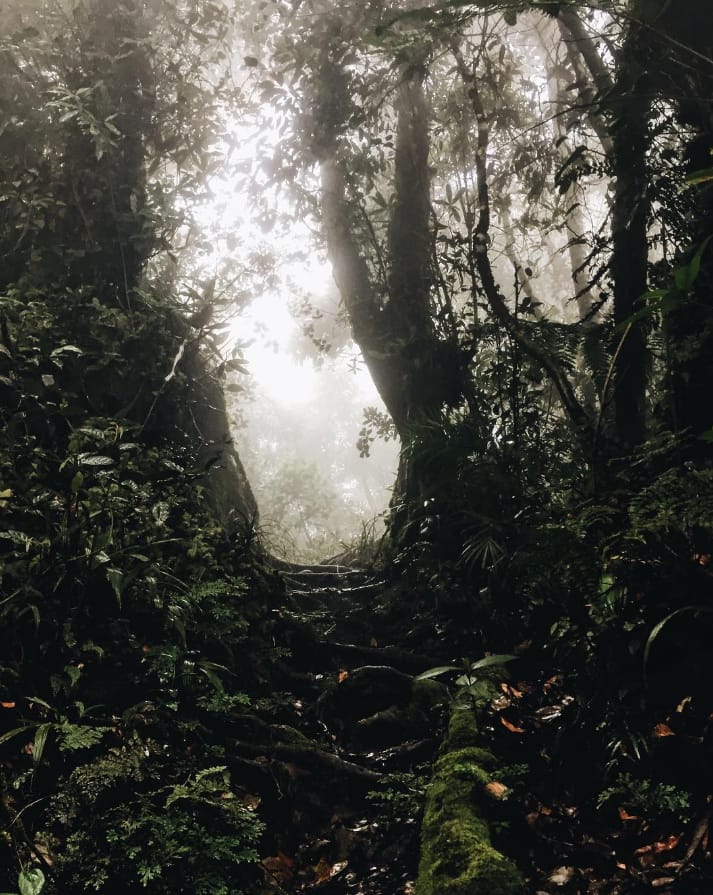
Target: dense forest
{"x":504,"y":684}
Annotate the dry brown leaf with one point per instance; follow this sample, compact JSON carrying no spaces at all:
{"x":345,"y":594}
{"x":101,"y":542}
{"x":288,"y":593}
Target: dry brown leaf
{"x":322,"y":871}
{"x":281,"y":867}
{"x":343,"y":675}
{"x":663,"y":881}
{"x":508,"y":725}
{"x":666,"y":844}
{"x":496,"y":790}
{"x":7,"y":705}
{"x":625,"y":816}
{"x":662,"y":730}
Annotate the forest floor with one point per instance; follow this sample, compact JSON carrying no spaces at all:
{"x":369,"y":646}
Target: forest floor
{"x":346,"y":745}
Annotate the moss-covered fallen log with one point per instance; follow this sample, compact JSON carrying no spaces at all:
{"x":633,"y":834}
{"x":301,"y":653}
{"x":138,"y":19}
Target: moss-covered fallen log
{"x":457,"y":856}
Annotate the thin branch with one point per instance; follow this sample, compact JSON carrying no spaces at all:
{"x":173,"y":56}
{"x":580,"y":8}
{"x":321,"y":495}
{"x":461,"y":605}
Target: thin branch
{"x":573,"y":408}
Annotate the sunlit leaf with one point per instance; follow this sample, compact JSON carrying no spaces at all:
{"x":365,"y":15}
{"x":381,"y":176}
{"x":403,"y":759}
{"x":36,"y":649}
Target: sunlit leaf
{"x":40,"y":741}
{"x":662,"y":730}
{"x":487,"y":661}
{"x":31,"y":882}
{"x":94,"y":460}
{"x":435,"y":672}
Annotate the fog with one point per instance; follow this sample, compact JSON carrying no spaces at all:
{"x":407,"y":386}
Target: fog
{"x":297,"y":413}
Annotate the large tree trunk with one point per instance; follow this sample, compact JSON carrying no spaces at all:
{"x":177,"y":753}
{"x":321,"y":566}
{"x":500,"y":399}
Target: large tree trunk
{"x":679,"y":50}
{"x":630,"y":106}
{"x":415,"y":373}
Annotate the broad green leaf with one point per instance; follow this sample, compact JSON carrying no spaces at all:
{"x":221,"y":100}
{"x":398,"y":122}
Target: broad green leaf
{"x":66,"y":349}
{"x":695,"y":266}
{"x":16,"y":731}
{"x":31,"y":882}
{"x":486,"y":662}
{"x":435,"y":672}
{"x":35,"y":700}
{"x":38,"y":746}
{"x":115,"y":577}
{"x":94,"y":460}
{"x":701,"y":176}
{"x":656,"y":630}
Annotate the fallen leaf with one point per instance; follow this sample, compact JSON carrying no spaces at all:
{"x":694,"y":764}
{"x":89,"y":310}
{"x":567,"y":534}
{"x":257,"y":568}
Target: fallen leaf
{"x":625,"y":816}
{"x":343,"y":675}
{"x":500,"y":703}
{"x":662,"y":730}
{"x":561,"y":876}
{"x":645,"y":855}
{"x":666,"y":844}
{"x":620,"y":865}
{"x":544,"y":809}
{"x":325,"y":871}
{"x":7,"y":705}
{"x":510,"y":726}
{"x":281,"y":867}
{"x":663,"y":881}
{"x":496,"y":790}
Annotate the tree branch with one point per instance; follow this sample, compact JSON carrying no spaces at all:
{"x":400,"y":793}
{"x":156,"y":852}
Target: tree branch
{"x":497,"y":303}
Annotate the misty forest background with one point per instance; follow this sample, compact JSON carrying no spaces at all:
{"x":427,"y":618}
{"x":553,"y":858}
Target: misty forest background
{"x":419,"y":293}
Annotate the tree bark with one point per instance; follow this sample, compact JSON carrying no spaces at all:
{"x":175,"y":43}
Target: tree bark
{"x":630,"y":109}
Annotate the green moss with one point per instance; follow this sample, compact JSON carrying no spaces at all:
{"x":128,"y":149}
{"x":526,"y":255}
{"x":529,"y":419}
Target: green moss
{"x":463,"y":734}
{"x":457,"y":857}
{"x":460,"y":861}
{"x":428,"y":694}
{"x":469,"y":764}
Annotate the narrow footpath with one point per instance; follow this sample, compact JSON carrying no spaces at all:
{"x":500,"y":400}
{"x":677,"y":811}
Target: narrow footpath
{"x":346,"y":745}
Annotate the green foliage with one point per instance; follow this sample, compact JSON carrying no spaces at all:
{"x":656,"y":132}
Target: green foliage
{"x":108,"y":657}
{"x":192,"y":836}
{"x":30,"y":882}
{"x":646,"y":796}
